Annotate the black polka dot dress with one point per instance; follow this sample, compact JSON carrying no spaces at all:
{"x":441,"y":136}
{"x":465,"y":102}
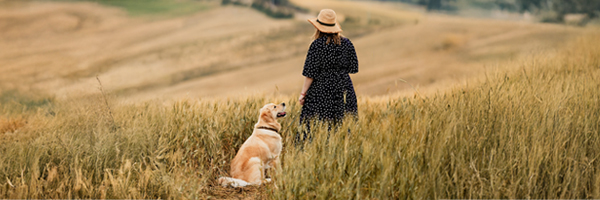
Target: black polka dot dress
{"x":331,"y":94}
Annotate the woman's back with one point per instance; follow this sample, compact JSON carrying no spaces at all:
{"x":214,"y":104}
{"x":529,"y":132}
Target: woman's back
{"x":328,"y":93}
{"x":331,"y":90}
{"x":332,"y":58}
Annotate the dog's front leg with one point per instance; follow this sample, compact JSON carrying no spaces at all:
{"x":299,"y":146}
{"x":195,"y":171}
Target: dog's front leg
{"x":273,"y":166}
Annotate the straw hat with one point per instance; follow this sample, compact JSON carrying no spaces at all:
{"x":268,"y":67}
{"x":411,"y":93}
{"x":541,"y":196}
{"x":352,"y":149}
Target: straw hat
{"x":326,"y":22}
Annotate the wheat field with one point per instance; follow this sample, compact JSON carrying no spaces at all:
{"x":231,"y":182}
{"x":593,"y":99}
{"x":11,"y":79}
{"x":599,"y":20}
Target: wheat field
{"x":530,"y":130}
{"x":98,"y":104}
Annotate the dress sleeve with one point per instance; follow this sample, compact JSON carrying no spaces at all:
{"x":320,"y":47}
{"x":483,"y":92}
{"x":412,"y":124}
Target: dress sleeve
{"x":352,"y":60}
{"x":311,"y":64}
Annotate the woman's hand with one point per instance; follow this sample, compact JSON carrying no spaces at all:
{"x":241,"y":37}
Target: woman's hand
{"x":301,"y":98}
{"x":307,"y":83}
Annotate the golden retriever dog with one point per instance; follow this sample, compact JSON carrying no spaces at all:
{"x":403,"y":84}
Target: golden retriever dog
{"x":259,"y":152}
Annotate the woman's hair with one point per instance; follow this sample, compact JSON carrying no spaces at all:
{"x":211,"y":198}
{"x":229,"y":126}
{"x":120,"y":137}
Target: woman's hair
{"x":336,"y":38}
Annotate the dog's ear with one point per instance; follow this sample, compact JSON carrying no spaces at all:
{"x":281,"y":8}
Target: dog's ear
{"x":266,"y":115}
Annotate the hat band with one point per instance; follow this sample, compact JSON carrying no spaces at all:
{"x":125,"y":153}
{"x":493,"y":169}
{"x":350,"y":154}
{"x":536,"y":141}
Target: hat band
{"x":325,"y":24}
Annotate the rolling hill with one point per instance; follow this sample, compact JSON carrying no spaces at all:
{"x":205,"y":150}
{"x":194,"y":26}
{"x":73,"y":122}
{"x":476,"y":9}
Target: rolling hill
{"x":60,"y":47}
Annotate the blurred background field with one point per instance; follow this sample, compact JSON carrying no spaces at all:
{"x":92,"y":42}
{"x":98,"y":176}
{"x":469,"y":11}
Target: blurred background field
{"x":457,"y":99}
{"x":163,"y":49}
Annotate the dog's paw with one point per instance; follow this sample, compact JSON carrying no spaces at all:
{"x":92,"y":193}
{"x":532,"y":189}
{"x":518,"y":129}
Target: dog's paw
{"x":222,"y":181}
{"x":237,"y":184}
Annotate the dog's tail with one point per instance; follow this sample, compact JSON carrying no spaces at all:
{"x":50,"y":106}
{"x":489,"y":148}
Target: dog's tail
{"x":234,"y":182}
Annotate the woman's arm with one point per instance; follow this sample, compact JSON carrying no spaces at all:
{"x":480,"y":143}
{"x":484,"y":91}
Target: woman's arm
{"x":307,"y":83}
{"x":351,"y":58}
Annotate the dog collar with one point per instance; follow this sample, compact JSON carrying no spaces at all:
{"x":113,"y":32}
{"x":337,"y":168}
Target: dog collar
{"x":268,"y":128}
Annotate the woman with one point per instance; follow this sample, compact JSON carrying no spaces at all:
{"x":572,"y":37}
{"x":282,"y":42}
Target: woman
{"x":328,"y":93}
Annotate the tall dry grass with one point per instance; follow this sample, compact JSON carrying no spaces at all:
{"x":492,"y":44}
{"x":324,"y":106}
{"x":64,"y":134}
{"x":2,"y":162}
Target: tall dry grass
{"x":529,"y":132}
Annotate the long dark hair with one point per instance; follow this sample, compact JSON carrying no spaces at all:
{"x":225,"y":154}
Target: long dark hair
{"x":336,"y":38}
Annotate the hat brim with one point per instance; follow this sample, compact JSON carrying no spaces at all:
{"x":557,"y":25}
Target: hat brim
{"x":325,"y":29}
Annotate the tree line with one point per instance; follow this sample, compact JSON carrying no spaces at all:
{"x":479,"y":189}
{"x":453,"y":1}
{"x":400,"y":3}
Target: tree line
{"x":590,"y":8}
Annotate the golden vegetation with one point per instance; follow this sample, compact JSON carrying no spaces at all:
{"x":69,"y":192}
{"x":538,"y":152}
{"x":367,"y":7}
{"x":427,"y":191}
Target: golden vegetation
{"x":526,"y":128}
{"x":530,"y":132}
{"x":11,"y":125}
{"x":527,"y":133}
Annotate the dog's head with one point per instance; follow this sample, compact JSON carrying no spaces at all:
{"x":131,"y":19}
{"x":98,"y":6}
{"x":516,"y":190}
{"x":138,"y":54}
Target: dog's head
{"x":269,"y":115}
{"x":273,"y":110}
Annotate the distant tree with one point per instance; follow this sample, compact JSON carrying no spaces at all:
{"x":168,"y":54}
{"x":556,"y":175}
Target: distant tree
{"x":531,"y":5}
{"x":589,"y":7}
{"x":434,"y":5}
{"x":275,"y":2}
{"x":430,"y":5}
{"x":509,"y":5}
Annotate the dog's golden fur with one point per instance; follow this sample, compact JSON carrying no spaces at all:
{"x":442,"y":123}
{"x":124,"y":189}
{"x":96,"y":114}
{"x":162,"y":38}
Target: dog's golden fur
{"x":260,"y":151}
